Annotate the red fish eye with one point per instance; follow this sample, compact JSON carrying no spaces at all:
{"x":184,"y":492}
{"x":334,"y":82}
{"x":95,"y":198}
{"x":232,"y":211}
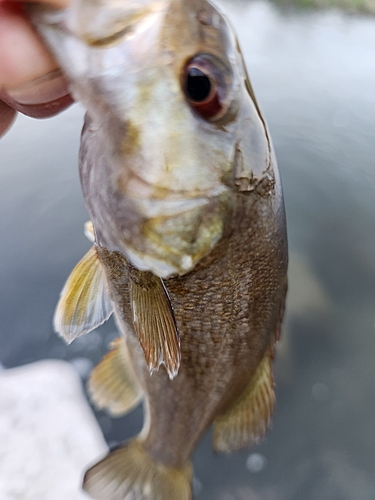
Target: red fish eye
{"x":203,"y":88}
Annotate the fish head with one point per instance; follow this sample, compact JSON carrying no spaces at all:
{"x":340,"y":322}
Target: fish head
{"x":173,"y":130}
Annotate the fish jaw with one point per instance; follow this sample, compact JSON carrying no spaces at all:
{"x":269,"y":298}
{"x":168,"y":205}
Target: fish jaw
{"x":145,"y":147}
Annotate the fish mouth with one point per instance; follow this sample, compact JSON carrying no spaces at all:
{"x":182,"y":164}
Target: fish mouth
{"x":158,"y":195}
{"x":161,"y":206}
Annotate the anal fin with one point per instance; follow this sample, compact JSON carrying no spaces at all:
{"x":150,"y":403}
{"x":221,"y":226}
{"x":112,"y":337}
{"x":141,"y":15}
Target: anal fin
{"x":113,"y":385}
{"x":246,"y":421}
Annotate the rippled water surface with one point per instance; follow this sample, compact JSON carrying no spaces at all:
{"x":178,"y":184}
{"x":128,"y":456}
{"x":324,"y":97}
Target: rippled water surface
{"x":314,"y":75}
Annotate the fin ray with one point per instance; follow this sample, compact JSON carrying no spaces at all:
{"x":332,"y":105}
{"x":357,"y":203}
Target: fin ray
{"x":246,"y":421}
{"x":154,"y":322}
{"x":129,"y":473}
{"x":113,"y":385}
{"x":84,"y":302}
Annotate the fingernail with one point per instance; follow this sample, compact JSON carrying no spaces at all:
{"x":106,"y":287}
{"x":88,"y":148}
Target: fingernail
{"x":42,"y":90}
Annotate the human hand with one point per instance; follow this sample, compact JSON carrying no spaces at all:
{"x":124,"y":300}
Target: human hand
{"x":30,"y":79}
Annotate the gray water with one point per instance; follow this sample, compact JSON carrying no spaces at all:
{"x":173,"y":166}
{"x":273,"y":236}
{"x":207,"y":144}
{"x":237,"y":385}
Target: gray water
{"x":314,"y":75}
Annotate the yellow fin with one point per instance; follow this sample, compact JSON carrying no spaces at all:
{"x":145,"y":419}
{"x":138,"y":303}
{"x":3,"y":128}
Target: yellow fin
{"x":154,"y":321}
{"x":130,"y":473}
{"x":113,"y":385}
{"x":84,"y":301}
{"x":88,"y":230}
{"x":246,"y":421}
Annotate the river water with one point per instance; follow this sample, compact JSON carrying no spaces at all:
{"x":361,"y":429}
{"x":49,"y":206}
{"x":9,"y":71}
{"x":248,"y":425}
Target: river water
{"x":314,"y":75}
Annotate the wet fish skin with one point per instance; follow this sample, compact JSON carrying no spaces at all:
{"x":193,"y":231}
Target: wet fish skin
{"x":224,"y":337}
{"x":228,"y":300}
{"x":227,"y":322}
{"x":154,"y":190}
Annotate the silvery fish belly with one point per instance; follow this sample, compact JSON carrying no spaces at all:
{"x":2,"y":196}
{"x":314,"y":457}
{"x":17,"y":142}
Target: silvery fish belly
{"x":188,"y":229}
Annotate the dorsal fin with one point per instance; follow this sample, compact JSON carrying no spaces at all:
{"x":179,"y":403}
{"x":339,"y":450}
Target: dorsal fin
{"x":113,"y":384}
{"x":154,"y":321}
{"x":246,"y":421}
{"x":84,"y":301}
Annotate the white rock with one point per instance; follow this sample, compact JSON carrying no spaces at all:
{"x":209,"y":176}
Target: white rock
{"x":48,"y":433}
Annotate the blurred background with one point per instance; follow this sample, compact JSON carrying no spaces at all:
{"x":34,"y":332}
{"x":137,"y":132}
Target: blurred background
{"x":313,"y":71}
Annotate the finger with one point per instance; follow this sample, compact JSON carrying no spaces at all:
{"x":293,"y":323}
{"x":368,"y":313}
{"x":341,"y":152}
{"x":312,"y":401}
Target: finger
{"x":30,"y":80}
{"x":41,"y":110}
{"x":7,"y":116}
{"x":59,"y":4}
{"x":24,"y":58}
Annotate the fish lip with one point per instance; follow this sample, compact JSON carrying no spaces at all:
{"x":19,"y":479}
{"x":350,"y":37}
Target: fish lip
{"x":152,"y":200}
{"x":150,"y":208}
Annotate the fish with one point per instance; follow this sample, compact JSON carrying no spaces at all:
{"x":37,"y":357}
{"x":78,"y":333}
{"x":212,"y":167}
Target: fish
{"x":188,"y":230}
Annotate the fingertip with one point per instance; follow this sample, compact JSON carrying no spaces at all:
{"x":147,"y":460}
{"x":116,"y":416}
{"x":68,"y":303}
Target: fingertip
{"x":58,"y":4}
{"x":41,"y":110}
{"x":23,"y":55}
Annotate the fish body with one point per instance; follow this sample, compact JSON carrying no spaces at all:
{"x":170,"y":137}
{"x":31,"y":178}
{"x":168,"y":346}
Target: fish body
{"x":190,"y":249}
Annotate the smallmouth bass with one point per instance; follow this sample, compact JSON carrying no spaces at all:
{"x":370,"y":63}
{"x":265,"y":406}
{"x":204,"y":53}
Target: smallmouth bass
{"x":188,"y":225}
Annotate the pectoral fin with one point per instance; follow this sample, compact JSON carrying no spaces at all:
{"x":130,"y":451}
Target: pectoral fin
{"x":113,"y":385}
{"x":88,"y":230}
{"x":246,"y":421}
{"x":154,"y":321}
{"x":84,"y":301}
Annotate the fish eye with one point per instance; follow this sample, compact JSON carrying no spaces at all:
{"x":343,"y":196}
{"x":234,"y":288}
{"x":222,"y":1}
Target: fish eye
{"x":198,"y":85}
{"x":204,"y":85}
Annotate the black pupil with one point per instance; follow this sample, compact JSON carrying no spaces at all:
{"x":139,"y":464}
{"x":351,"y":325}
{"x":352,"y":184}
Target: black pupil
{"x":198,"y":85}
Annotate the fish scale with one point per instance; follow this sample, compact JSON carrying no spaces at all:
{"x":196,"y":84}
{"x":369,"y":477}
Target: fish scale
{"x":189,"y":233}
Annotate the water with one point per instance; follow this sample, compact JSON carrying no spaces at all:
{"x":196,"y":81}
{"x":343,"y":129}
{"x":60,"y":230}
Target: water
{"x":314,"y":75}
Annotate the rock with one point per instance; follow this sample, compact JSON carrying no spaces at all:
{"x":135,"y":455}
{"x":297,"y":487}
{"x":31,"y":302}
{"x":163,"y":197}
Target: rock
{"x":48,"y":433}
